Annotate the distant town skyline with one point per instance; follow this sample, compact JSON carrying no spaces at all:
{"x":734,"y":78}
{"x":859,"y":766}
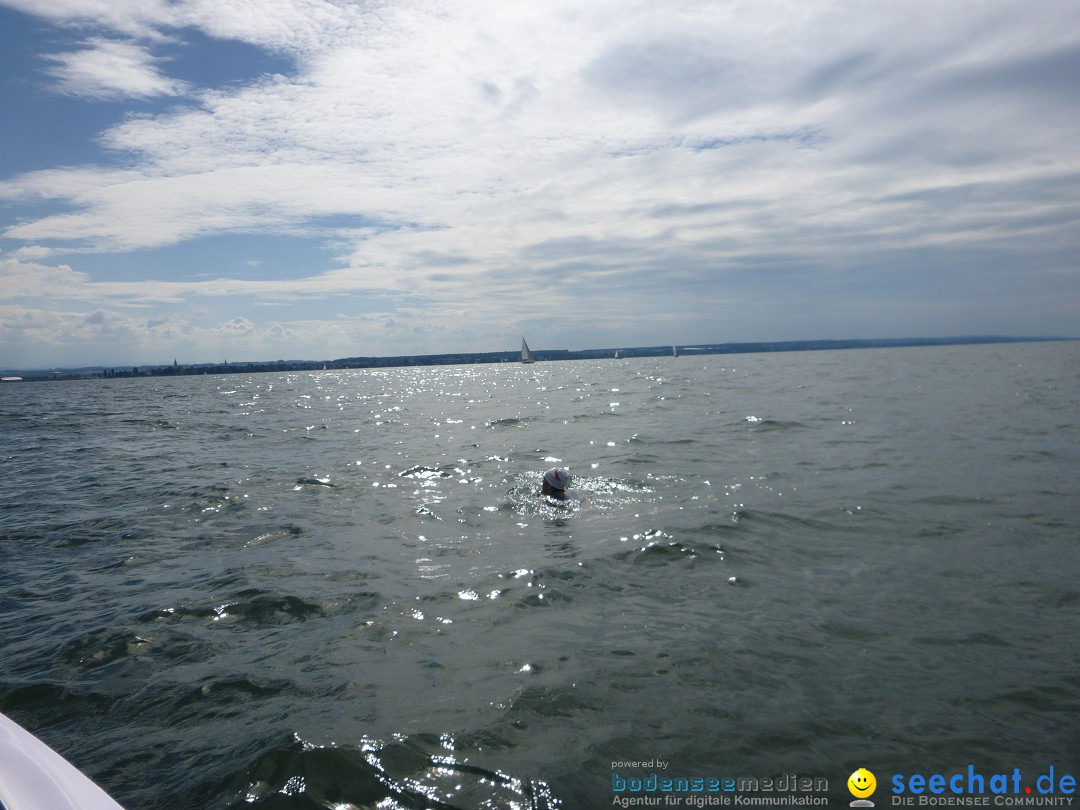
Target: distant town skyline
{"x":195,"y":180}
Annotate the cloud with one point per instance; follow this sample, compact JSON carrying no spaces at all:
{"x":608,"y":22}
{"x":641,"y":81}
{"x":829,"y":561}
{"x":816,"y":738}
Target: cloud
{"x":32,"y":336}
{"x":680,"y":74}
{"x":279,"y":332}
{"x":35,"y":334}
{"x":107,"y":69}
{"x":624,"y":165}
{"x":139,"y":18}
{"x":34,"y":281}
{"x":20,"y":280}
{"x":238,"y":326}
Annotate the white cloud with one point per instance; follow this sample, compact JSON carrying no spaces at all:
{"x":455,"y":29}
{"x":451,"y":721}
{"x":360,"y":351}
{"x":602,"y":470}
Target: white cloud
{"x":238,"y":326}
{"x":293,"y":26}
{"x":140,"y":18}
{"x":674,"y":161}
{"x":414,"y":127}
{"x":111,"y":69}
{"x":22,"y":279}
{"x":34,"y":335}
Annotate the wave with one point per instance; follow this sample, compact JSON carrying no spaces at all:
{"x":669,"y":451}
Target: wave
{"x":249,"y":605}
{"x":421,"y":771}
{"x":759,"y":423}
{"x":508,"y":422}
{"x":306,"y":482}
{"x":424,"y":473}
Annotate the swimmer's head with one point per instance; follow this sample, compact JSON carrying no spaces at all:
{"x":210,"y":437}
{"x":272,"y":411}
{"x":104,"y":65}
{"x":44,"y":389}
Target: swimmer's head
{"x":557,"y":478}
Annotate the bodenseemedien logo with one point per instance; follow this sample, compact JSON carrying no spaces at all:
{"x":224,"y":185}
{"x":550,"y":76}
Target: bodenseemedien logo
{"x":862,"y":785}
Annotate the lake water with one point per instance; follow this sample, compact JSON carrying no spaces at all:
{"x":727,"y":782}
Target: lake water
{"x":341,"y":589}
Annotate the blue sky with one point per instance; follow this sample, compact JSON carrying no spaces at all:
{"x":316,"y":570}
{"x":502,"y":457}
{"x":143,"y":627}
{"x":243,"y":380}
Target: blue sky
{"x":304,"y":179}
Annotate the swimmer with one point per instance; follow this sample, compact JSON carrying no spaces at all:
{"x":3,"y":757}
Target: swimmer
{"x":555,"y":482}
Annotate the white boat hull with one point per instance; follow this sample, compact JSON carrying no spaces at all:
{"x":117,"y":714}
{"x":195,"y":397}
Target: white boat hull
{"x":34,"y":777}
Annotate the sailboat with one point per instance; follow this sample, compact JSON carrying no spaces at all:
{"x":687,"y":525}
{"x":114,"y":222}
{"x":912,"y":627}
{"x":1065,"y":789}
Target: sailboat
{"x":526,"y":353}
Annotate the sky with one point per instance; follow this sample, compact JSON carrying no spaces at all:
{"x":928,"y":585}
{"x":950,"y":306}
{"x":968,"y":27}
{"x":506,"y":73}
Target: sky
{"x":249,"y":180}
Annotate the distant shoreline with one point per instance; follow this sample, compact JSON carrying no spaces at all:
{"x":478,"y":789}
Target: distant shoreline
{"x":511,"y":356}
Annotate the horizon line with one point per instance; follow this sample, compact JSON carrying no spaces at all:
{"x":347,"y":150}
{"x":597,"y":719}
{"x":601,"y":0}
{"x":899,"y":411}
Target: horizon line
{"x":739,"y":347}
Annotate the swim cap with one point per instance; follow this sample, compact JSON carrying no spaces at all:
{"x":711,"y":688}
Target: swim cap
{"x":557,"y":478}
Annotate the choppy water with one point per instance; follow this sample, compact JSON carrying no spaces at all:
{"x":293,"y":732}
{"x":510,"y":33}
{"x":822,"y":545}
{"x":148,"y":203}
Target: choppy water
{"x":341,"y":589}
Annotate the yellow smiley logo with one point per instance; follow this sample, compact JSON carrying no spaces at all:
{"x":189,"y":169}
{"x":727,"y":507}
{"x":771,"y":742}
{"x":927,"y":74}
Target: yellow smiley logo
{"x":861,"y":783}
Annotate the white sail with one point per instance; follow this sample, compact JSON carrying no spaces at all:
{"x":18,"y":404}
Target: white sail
{"x":526,"y":353}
